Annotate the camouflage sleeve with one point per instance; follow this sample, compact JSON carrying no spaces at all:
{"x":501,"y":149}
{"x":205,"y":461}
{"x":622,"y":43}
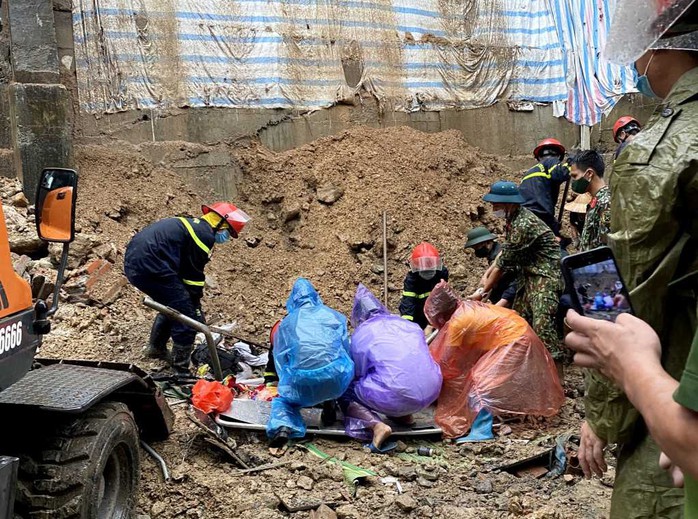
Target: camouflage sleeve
{"x":608,"y":411}
{"x":517,"y":247}
{"x":605,"y":224}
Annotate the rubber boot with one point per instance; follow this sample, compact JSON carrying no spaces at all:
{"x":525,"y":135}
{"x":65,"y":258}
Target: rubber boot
{"x":159,"y":335}
{"x":481,"y":429}
{"x":181,"y":356}
{"x":280,"y":438}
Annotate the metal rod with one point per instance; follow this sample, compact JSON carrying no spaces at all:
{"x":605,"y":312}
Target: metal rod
{"x":158,"y":458}
{"x":192,"y":323}
{"x":226,"y":333}
{"x":59,"y":279}
{"x":385,"y":259}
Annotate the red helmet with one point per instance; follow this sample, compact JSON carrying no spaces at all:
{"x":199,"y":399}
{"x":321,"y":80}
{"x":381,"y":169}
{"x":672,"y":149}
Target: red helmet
{"x":425,"y":257}
{"x":272,"y":333}
{"x":549,"y":143}
{"x":622,"y":123}
{"x":236,"y":218}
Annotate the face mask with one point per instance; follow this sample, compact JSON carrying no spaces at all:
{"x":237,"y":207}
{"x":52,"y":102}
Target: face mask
{"x":427,"y":274}
{"x":643,"y":82}
{"x":482,"y":252}
{"x":222,"y":236}
{"x":580,"y":185}
{"x":500,"y":213}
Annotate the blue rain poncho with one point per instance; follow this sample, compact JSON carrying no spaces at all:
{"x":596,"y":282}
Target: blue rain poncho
{"x":311,"y":353}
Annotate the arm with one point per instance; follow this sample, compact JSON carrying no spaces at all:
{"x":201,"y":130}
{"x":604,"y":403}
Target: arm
{"x":408,"y":301}
{"x":492,"y":279}
{"x":628,"y":352}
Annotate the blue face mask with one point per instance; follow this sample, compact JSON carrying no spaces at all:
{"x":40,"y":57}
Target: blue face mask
{"x":642,"y":83}
{"x":222,"y":236}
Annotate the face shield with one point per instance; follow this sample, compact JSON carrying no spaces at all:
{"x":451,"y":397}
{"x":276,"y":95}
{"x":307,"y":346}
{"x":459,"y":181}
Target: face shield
{"x":638,"y":25}
{"x":426,"y":264}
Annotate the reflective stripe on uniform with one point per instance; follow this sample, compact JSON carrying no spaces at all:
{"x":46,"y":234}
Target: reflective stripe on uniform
{"x":194,"y":237}
{"x":408,"y":317}
{"x":194,"y":283}
{"x":415,"y":294}
{"x":540,"y":173}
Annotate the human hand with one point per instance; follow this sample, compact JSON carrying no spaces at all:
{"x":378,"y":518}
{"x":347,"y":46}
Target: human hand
{"x":477,"y":295}
{"x":675,"y":472}
{"x":428,"y":330}
{"x":590,"y":453}
{"x":612,"y":348}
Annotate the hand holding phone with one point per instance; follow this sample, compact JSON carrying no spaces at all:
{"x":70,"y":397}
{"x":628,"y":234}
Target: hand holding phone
{"x":595,"y":285}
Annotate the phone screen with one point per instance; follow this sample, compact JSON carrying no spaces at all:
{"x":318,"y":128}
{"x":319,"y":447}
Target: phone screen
{"x":599,"y":290}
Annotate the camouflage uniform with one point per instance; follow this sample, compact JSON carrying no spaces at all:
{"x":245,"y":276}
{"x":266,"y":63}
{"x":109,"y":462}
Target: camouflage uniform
{"x":654,"y":219}
{"x":531,"y":248}
{"x":598,"y":221}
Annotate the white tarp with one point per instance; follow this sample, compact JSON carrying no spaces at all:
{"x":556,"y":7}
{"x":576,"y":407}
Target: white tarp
{"x":310,"y":54}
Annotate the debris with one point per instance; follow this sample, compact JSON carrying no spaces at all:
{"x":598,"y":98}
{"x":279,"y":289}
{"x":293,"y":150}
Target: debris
{"x":158,"y":458}
{"x":353,"y":475}
{"x":268,"y":466}
{"x":293,"y":505}
{"x":305,"y":483}
{"x":19,"y":200}
{"x":425,"y":483}
{"x":483,"y":486}
{"x":323,"y":512}
{"x":425,"y":451}
{"x":215,"y":434}
{"x":406,"y":503}
{"x":392,"y":481}
{"x":329,"y":194}
{"x":569,"y":478}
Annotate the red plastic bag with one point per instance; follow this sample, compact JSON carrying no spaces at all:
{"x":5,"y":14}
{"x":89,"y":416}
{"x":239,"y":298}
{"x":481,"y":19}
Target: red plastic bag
{"x":490,"y":358}
{"x":211,"y":396}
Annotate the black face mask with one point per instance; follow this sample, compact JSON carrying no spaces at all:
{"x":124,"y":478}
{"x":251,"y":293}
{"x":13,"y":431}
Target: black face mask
{"x":482,"y":252}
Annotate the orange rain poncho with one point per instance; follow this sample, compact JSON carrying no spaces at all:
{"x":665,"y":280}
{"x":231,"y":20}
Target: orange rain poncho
{"x":490,"y":358}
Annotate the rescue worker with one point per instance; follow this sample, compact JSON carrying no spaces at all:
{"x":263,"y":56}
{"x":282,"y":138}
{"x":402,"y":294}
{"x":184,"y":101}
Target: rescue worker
{"x":166,"y":260}
{"x":530,"y":249}
{"x":485,"y":245}
{"x":426,"y":270}
{"x":540,"y":186}
{"x":654,"y":219}
{"x":624,"y":131}
{"x":586,"y":171}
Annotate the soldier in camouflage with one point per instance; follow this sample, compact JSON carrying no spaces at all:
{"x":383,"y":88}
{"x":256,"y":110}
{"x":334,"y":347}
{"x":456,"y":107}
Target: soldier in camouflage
{"x":654,"y":223}
{"x":586,"y":171}
{"x":531,"y":248}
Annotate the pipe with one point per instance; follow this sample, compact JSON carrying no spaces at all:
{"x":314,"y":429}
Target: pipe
{"x":385,"y":259}
{"x":158,"y":458}
{"x":192,"y":323}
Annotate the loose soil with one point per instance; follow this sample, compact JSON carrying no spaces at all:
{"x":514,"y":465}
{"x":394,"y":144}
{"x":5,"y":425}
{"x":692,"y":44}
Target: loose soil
{"x":317,"y":212}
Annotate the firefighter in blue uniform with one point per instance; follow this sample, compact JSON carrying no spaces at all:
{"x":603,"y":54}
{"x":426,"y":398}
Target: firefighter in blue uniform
{"x":166,"y":260}
{"x":426,"y":270}
{"x":540,"y":186}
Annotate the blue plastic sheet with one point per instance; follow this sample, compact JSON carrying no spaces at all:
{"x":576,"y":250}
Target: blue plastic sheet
{"x":311,"y":353}
{"x":395,"y":373}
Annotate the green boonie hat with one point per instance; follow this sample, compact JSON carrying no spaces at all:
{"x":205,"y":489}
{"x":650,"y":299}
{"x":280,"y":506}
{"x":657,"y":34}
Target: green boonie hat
{"x":504,"y":192}
{"x":479,"y":235}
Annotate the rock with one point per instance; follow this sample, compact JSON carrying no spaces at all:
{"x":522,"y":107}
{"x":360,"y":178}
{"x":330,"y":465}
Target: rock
{"x":323,"y":512}
{"x":270,"y":501}
{"x":271,"y":244}
{"x":106,"y":251}
{"x":377,"y":268}
{"x":253,"y":242}
{"x":406,"y":503}
{"x":430,"y":475}
{"x":425,"y":483}
{"x":569,"y":478}
{"x":505,"y":430}
{"x":348,"y":512}
{"x":158,"y":508}
{"x":483,"y":486}
{"x":25,"y":242}
{"x":407,"y":473}
{"x":19,"y":200}
{"x":329,"y":194}
{"x":305,"y":483}
{"x":291,"y":212}
{"x":21,"y":264}
{"x":401,"y":446}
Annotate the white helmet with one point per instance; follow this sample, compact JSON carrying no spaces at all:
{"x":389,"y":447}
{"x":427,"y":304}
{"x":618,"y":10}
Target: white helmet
{"x":639,"y":25}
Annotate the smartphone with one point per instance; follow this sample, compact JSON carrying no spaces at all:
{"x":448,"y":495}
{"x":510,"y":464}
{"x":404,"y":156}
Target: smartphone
{"x":595,"y":284}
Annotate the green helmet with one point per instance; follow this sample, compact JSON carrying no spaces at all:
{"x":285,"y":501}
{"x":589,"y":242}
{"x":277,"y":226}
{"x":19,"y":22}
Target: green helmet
{"x":479,"y":235}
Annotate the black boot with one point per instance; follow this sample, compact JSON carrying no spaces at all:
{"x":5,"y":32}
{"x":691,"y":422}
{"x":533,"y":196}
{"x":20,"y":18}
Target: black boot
{"x":181,"y":355}
{"x":159,"y":335}
{"x":280,"y":438}
{"x":329,"y":413}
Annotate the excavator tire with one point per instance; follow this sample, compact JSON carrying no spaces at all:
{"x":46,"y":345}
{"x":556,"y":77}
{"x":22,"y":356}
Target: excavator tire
{"x":82,"y":467}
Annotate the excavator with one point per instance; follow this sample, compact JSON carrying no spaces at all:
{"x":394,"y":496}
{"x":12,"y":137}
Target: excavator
{"x":71,"y":429}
